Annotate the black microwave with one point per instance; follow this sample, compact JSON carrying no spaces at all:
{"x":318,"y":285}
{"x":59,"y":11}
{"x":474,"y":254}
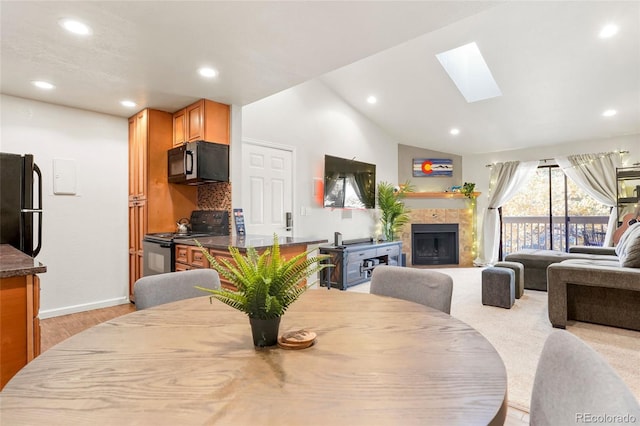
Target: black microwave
{"x":199,"y":162}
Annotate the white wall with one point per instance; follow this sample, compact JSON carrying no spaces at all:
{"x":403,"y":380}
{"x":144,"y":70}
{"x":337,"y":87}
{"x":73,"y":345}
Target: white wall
{"x":474,"y":166}
{"x":315,"y":121}
{"x":84,"y":236}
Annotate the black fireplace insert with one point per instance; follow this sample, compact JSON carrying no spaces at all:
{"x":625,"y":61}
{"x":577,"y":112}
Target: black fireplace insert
{"x":434,"y":244}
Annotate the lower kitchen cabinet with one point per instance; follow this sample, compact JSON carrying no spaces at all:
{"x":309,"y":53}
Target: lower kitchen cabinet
{"x":190,"y":257}
{"x":19,"y":322}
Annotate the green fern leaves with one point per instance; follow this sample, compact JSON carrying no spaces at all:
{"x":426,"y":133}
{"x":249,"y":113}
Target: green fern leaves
{"x":267,"y":283}
{"x":394,"y":214}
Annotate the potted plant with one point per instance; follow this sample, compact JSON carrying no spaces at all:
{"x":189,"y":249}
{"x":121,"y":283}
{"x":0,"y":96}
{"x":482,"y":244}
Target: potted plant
{"x":266,"y":285}
{"x":468,"y":188}
{"x":394,"y":213}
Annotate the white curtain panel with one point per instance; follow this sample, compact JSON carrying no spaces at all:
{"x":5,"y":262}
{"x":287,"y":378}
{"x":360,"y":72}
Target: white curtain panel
{"x":596,"y":175}
{"x":505,"y":182}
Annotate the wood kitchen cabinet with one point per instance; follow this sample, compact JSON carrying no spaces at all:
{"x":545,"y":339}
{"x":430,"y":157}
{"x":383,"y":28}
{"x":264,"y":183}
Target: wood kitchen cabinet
{"x":19,"y":309}
{"x":154,"y":204}
{"x":179,"y":127}
{"x":190,"y":257}
{"x":20,"y":302}
{"x":203,"y":120}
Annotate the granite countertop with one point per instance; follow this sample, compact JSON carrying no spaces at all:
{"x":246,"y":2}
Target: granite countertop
{"x":256,"y":241}
{"x":14,"y":263}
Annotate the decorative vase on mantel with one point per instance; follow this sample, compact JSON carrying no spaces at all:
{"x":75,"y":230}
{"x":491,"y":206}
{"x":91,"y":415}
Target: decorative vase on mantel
{"x":266,"y":285}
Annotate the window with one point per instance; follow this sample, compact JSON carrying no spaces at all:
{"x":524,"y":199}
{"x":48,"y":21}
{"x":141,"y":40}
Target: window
{"x":552,"y":213}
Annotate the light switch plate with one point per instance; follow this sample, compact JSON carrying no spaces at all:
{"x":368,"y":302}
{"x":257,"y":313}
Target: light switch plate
{"x":65,"y":180}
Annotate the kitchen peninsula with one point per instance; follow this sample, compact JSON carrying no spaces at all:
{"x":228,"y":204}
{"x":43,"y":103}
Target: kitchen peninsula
{"x":19,"y":304}
{"x":189,"y":255}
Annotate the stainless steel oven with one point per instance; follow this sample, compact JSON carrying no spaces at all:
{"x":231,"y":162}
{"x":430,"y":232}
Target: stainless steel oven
{"x":159,"y":249}
{"x":159,"y":255}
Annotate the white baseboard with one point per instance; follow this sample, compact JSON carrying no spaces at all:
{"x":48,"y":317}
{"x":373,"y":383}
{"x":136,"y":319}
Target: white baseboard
{"x":50,"y":313}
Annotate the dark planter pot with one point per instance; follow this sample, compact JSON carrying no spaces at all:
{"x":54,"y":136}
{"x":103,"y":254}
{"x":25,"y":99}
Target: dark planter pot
{"x":265,"y":331}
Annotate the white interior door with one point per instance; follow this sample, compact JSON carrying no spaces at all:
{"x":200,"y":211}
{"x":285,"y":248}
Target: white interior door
{"x":267,"y":190}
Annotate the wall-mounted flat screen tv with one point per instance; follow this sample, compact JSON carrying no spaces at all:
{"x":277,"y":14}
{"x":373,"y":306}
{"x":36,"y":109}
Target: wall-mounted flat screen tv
{"x":349,"y":184}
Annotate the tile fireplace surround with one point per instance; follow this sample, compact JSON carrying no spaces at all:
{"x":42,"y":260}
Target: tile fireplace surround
{"x":462,"y":216}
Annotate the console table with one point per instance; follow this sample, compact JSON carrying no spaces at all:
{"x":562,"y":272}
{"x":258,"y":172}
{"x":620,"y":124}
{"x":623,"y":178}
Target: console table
{"x":354,"y":263}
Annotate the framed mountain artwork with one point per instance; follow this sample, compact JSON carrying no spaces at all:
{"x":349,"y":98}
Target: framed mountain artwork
{"x":432,"y":167}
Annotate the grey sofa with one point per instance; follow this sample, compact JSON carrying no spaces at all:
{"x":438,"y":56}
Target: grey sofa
{"x":593,"y":284}
{"x":596,"y":291}
{"x":536,"y":261}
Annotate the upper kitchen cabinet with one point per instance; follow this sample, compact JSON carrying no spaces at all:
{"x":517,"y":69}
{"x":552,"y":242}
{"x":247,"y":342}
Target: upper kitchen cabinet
{"x":203,"y":120}
{"x":179,"y":127}
{"x":137,"y":156}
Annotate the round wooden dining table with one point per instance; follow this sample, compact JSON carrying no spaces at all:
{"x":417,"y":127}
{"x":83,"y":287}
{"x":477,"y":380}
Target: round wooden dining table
{"x":376,"y":361}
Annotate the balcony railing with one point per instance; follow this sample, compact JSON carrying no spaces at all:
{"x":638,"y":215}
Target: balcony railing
{"x":522,"y":232}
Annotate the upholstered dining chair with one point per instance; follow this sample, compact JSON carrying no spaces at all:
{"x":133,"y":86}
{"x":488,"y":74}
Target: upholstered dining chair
{"x":574,"y":384}
{"x":164,"y":288}
{"x":425,"y":286}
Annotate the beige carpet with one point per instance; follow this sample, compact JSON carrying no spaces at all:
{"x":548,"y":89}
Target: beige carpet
{"x":519,"y":333}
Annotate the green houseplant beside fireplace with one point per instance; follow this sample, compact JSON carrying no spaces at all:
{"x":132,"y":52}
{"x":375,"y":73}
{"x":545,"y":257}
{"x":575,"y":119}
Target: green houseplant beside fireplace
{"x":394,"y":214}
{"x":266,"y":285}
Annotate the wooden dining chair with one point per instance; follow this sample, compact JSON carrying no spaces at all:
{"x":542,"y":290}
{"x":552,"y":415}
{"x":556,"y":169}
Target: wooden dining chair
{"x":424,"y":286}
{"x":573,"y":383}
{"x":164,"y":288}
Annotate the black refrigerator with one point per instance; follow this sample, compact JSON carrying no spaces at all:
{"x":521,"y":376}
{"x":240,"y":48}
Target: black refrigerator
{"x":21,"y":203}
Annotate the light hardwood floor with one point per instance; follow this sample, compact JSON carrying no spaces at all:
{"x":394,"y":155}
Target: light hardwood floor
{"x":55,"y":330}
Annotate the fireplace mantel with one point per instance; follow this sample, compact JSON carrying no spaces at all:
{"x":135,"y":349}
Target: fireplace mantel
{"x":438,"y":194}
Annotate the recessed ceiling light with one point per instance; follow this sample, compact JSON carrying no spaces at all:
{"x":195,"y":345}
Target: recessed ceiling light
{"x":609,"y":113}
{"x":469,"y":72}
{"x":608,"y":31}
{"x":128,"y":104}
{"x":208,"y":72}
{"x":454,"y":131}
{"x":75,"y":27}
{"x":372,"y":99}
{"x":43,"y":84}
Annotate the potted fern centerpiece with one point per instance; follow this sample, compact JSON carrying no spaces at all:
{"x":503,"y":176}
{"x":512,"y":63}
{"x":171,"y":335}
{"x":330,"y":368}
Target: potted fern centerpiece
{"x":266,"y":285}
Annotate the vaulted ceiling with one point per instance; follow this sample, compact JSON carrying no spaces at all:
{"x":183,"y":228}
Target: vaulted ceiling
{"x":556,"y":75}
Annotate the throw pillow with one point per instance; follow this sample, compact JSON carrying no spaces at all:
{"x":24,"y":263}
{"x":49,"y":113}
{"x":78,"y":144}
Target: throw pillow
{"x":628,"y":248}
{"x":621,"y":247}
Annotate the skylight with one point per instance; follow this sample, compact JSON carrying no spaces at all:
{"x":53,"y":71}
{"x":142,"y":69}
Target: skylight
{"x":470,"y":73}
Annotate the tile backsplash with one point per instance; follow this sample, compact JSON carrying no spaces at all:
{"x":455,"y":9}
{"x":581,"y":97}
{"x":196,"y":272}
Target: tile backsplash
{"x":215,"y":196}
